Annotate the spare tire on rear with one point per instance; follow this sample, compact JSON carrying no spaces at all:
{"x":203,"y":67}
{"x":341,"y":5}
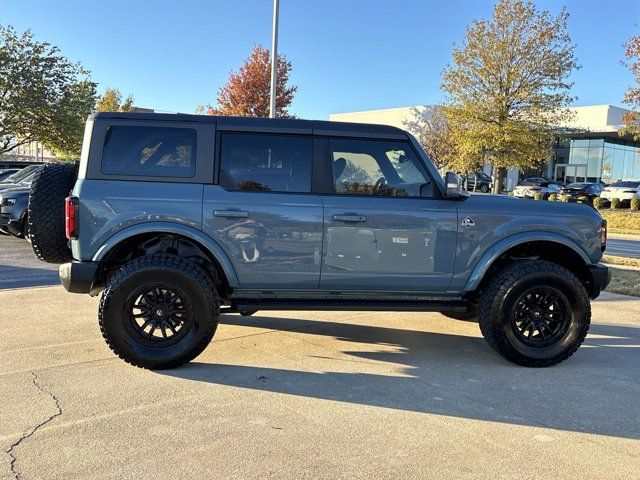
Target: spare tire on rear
{"x":50,"y":186}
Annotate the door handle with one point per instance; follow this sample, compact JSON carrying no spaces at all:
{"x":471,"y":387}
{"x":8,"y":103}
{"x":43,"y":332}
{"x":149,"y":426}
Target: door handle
{"x":231,"y":213}
{"x":349,"y":218}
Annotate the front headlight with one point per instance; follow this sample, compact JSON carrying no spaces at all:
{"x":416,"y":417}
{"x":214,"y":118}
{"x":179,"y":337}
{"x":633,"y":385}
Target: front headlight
{"x":8,"y":202}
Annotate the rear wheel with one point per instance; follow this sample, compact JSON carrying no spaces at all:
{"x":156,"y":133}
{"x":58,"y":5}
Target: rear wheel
{"x":159,"y":311}
{"x":535,"y":313}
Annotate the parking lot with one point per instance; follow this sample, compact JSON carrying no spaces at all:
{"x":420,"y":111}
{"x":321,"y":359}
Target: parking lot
{"x":308,"y":395}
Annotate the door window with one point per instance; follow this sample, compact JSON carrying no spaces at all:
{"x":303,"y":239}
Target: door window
{"x":265,"y":163}
{"x":372,"y":167}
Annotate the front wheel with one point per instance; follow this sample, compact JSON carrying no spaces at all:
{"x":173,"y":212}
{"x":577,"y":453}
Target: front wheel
{"x":534,"y":313}
{"x":159,"y":311}
{"x":484,"y":188}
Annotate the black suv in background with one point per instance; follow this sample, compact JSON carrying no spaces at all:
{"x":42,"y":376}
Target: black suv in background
{"x":581,"y":189}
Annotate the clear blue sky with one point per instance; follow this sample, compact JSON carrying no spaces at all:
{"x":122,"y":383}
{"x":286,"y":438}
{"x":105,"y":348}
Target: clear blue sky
{"x":347,"y":55}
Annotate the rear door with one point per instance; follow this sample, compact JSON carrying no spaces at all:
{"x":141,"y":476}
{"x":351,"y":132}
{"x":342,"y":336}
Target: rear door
{"x":262,"y":211}
{"x":386,"y":229}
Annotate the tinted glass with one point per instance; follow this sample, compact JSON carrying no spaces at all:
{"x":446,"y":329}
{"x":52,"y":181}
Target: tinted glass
{"x":578,"y":185}
{"x":265,"y":163}
{"x":367,"y":167}
{"x":149,"y":151}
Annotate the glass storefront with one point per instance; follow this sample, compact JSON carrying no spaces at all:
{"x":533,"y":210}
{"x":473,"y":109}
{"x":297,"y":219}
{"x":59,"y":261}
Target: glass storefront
{"x":603,"y":160}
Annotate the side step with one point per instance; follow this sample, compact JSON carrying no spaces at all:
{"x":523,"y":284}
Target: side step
{"x":249,"y":304}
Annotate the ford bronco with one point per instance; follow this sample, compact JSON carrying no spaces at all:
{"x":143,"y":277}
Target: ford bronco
{"x":179,"y":218}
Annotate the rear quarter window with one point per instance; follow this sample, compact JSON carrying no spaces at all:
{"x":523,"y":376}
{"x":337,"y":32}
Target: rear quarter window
{"x":149,"y":151}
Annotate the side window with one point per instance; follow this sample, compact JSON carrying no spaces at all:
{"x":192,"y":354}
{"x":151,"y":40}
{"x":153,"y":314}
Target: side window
{"x":265,"y":163}
{"x":149,"y":151}
{"x":372,"y":167}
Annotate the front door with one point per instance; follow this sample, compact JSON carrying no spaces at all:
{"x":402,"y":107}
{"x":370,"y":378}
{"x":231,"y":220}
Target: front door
{"x":262,"y":212}
{"x":385,"y":228}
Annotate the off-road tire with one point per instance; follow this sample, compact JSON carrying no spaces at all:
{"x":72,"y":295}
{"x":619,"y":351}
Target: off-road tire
{"x":174,"y":271}
{"x":497,"y":300}
{"x":50,"y":186}
{"x":470,"y":316}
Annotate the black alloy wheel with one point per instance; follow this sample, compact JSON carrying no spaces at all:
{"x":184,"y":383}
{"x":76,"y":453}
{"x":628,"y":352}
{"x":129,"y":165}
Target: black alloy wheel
{"x":160,"y":314}
{"x":540,"y":316}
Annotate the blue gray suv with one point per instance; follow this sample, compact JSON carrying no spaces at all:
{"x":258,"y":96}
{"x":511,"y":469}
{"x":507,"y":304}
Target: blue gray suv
{"x":179,"y":218}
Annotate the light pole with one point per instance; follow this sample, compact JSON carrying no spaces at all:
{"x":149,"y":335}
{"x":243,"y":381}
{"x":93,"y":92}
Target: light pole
{"x":274,"y":60}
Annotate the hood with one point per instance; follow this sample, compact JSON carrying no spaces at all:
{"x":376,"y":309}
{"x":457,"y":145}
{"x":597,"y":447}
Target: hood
{"x":7,"y":186}
{"x":15,"y":190}
{"x":516,"y":206}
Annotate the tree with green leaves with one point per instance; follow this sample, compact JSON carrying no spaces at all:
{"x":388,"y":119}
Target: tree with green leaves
{"x":247,"y":92}
{"x":508,"y":86}
{"x":111,"y":101}
{"x":632,"y":96}
{"x":43,"y":96}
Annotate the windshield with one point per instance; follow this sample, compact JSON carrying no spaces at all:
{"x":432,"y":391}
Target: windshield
{"x":20,"y":175}
{"x":578,"y":185}
{"x":483,"y":176}
{"x":625,"y":184}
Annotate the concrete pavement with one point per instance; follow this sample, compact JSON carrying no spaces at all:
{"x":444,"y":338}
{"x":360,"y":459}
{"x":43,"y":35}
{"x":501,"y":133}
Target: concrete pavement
{"x":314,"y":395}
{"x":19,"y":266}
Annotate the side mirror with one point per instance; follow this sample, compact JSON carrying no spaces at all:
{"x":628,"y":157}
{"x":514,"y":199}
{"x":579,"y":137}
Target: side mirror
{"x":454,"y":186}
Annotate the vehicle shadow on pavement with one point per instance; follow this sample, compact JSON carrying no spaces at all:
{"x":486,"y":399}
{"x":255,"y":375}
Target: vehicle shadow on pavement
{"x":596,"y":391}
{"x":20,"y":277}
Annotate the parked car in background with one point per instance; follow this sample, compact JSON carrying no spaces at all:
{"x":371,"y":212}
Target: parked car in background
{"x":529,"y":187}
{"x":582,"y":189}
{"x":5,"y":173}
{"x":21,"y":176}
{"x":624,"y":190}
{"x":483,"y":184}
{"x":13,"y":210}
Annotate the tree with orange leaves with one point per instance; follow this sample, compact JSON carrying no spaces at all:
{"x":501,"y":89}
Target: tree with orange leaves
{"x":247,"y":91}
{"x":632,"y":97}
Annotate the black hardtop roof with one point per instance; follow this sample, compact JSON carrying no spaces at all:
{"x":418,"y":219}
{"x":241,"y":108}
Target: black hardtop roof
{"x":258,"y":123}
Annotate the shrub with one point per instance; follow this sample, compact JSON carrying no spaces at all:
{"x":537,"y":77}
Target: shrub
{"x":566,"y":198}
{"x":599,"y":203}
{"x":616,"y":203}
{"x":510,"y":194}
{"x":583,"y":199}
{"x":553,"y":197}
{"x":635,"y":204}
{"x":539,"y":196}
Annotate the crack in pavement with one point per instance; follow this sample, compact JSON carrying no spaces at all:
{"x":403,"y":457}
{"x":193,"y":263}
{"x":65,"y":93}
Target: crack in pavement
{"x":11,"y":450}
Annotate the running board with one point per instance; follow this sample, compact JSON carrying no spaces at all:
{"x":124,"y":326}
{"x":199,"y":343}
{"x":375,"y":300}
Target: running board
{"x":248,"y":304}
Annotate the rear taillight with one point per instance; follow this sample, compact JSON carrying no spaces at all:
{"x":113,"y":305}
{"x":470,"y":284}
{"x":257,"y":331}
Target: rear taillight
{"x":71,"y":217}
{"x":603,"y":235}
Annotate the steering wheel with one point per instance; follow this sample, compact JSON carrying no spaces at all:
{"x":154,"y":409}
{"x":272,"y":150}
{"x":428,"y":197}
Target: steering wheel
{"x":380,"y":183}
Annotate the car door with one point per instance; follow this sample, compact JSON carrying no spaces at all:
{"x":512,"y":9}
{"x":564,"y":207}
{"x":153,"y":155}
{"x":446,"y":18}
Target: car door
{"x":262,"y":212}
{"x":385,"y":227}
